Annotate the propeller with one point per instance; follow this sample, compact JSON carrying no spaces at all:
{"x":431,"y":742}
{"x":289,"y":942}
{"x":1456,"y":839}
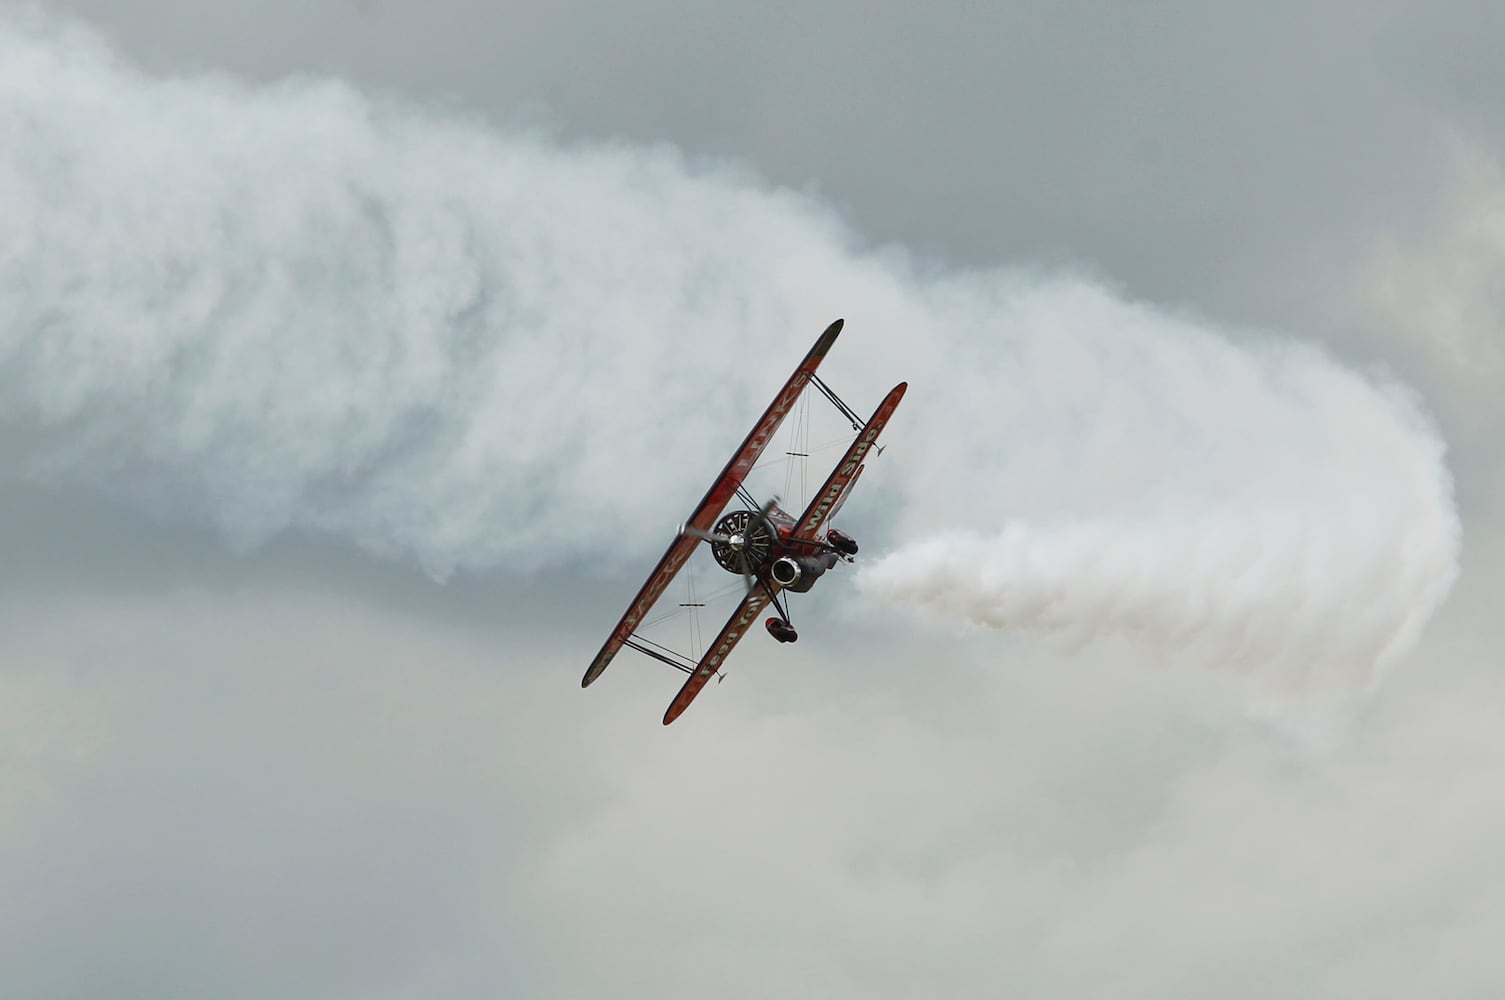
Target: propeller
{"x":738,"y":542}
{"x":710,"y":536}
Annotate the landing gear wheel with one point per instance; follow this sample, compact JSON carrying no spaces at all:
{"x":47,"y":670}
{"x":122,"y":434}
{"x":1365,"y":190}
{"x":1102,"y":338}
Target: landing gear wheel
{"x":781,"y":630}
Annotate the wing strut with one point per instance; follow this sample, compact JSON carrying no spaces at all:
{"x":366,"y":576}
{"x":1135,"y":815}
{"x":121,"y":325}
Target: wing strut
{"x":646,"y":646}
{"x":837,"y":401}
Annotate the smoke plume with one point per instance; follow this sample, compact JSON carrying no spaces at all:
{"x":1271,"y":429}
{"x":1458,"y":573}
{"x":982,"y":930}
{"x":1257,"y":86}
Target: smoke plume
{"x":297,"y":308}
{"x":1250,"y":505}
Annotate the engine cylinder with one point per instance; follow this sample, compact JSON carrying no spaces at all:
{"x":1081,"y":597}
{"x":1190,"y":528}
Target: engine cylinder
{"x":749,"y":542}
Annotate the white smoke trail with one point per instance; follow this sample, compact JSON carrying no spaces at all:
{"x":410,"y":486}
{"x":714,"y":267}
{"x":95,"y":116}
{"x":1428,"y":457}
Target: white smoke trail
{"x":296,"y":308}
{"x":1255,"y":507}
{"x":292,"y":307}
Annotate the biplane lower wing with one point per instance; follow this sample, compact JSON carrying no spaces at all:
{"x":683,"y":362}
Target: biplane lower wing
{"x":742,"y":619}
{"x":820,"y":510}
{"x":737,"y":468}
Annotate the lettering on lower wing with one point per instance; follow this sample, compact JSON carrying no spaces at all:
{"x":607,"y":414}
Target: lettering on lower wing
{"x":754,"y":605}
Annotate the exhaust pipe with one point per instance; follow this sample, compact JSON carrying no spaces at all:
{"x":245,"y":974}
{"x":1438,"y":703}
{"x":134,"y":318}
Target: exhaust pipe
{"x":785,"y":572}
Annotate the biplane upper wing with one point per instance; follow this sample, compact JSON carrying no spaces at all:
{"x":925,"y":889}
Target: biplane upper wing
{"x":742,"y":461}
{"x":833,"y":493}
{"x":820,"y":510}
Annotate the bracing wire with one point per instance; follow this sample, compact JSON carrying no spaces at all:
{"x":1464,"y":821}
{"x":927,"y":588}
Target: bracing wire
{"x":705,"y":600}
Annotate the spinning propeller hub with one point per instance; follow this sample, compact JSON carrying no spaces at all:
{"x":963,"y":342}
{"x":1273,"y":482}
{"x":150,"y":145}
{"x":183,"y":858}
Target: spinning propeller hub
{"x":742,"y":541}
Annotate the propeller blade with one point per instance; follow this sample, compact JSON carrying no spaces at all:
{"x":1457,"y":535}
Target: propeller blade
{"x":747,"y":573}
{"x":742,"y":542}
{"x":710,"y":536}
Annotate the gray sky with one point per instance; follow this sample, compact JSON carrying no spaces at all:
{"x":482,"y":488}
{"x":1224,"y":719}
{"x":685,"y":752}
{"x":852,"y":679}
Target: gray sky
{"x":250,"y":747}
{"x":1186,"y":149}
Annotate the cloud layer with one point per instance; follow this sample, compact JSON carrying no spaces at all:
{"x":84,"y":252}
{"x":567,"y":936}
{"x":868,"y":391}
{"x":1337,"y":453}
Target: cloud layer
{"x":298,"y":308}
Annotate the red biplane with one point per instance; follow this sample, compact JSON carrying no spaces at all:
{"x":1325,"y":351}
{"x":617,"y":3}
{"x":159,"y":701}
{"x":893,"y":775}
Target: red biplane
{"x":774,"y":551}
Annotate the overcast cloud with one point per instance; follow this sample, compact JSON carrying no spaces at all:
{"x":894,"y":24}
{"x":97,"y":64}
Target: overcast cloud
{"x":1198,"y":313}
